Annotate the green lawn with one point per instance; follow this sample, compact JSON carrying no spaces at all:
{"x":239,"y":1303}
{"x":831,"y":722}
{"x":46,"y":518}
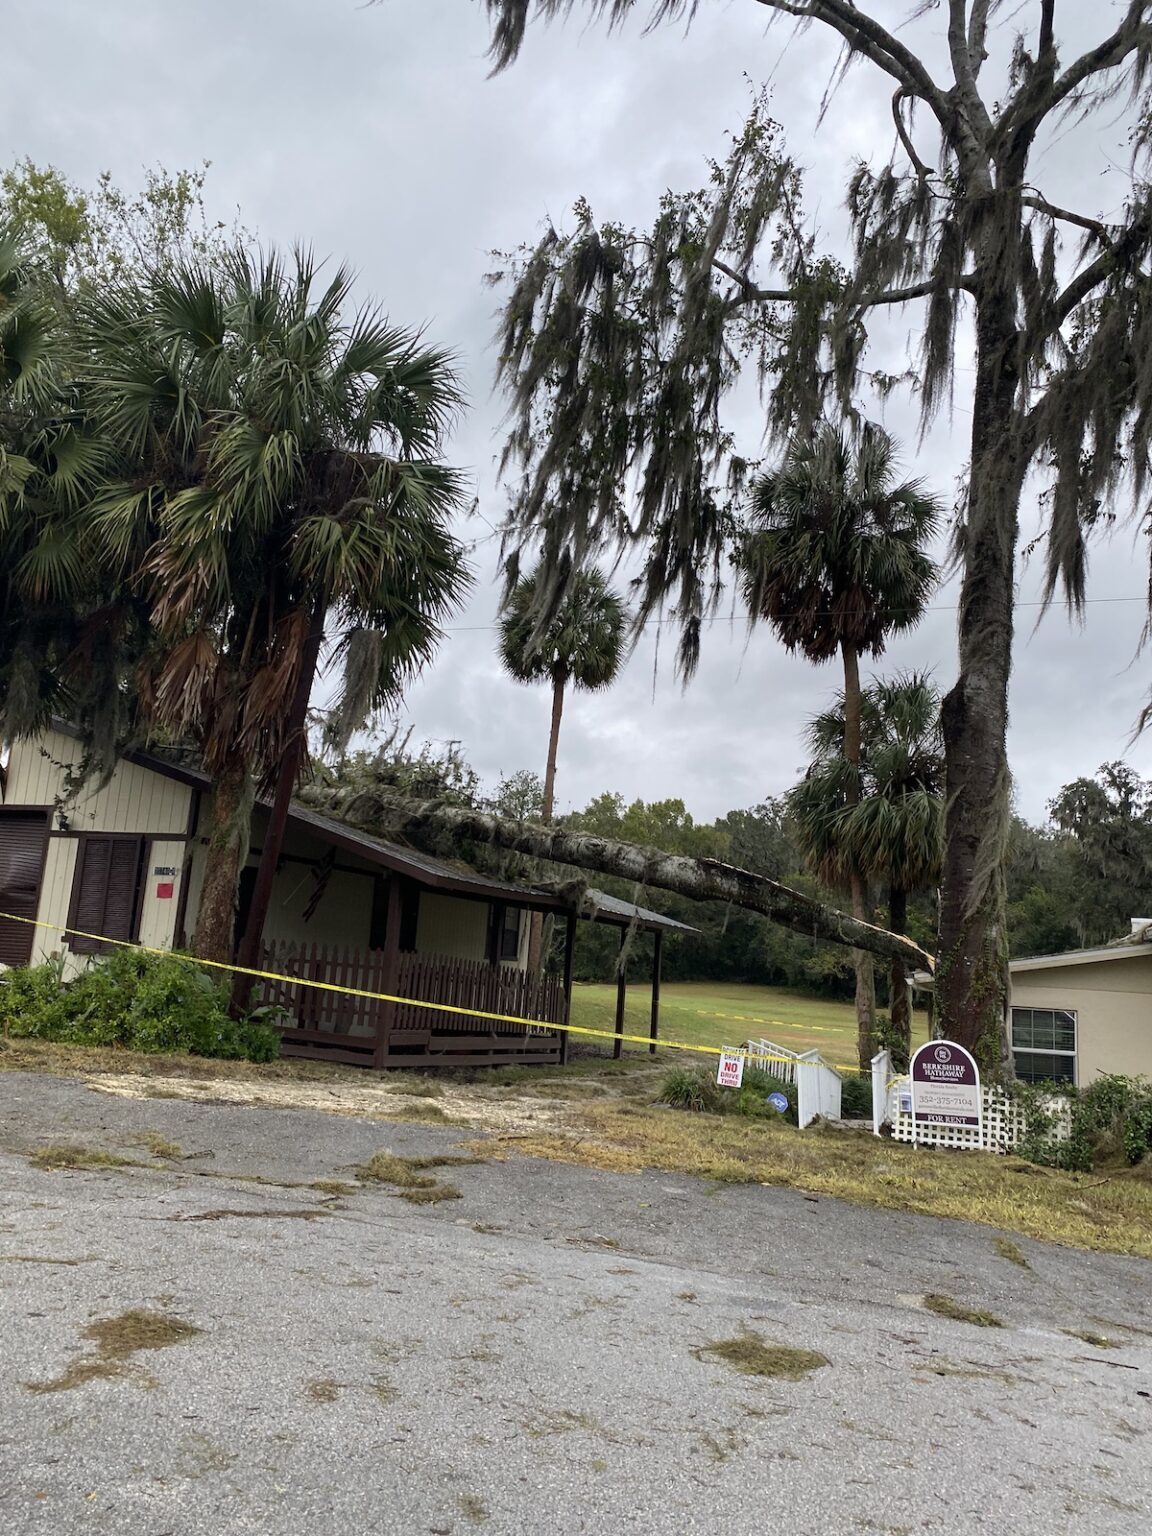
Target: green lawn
{"x":713,"y":1013}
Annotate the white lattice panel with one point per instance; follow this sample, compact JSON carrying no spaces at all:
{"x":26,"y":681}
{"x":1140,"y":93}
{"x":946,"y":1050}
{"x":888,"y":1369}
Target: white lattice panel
{"x":1005,"y":1122}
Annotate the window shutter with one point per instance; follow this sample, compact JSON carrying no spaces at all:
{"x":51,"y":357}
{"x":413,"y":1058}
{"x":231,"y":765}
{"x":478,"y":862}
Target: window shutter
{"x":23,"y":839}
{"x":123,"y":887}
{"x":106,"y":891}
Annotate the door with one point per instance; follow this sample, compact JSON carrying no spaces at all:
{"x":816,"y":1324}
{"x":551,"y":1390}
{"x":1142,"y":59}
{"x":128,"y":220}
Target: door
{"x":23,"y":842}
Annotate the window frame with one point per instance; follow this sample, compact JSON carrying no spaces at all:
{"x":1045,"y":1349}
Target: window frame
{"x":1034,"y":1050}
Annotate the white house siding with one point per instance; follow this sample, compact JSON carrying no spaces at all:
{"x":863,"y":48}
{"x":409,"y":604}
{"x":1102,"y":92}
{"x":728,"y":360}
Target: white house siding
{"x":158,"y":913}
{"x":1112,"y":1000}
{"x":134,"y":800}
{"x":55,"y":895}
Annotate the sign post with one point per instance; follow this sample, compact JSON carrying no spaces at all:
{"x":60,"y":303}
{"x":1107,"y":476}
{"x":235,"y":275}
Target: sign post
{"x":946,"y":1087}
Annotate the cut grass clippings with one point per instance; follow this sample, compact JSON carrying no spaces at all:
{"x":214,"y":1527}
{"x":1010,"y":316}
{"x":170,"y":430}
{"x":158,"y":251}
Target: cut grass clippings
{"x":1007,"y":1249}
{"x":1003,"y":1192}
{"x":117,"y":1339}
{"x":957,"y":1312}
{"x":752,"y":1355}
{"x":407,"y":1177}
{"x":68,"y":1154}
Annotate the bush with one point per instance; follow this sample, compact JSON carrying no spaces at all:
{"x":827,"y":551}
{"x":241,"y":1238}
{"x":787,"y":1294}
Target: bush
{"x":856,"y":1097}
{"x":1111,"y":1124}
{"x":696,"y":1089}
{"x":153,"y":1003}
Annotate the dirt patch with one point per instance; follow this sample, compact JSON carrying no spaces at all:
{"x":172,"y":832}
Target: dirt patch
{"x":117,"y":1339}
{"x":485,"y":1108}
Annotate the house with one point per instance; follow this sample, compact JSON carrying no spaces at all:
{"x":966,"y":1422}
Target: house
{"x":125,"y":861}
{"x":1080,"y":1015}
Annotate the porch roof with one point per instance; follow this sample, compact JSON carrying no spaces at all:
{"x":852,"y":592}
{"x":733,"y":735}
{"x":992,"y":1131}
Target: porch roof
{"x":425,"y":869}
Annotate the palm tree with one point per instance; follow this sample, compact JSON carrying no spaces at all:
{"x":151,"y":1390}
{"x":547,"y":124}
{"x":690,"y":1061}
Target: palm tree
{"x":280,"y":490}
{"x":577,"y":639}
{"x":833,"y":559}
{"x":57,"y":626}
{"x":893,"y":833}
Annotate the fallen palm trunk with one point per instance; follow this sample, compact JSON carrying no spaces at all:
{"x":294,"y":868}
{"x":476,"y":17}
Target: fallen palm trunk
{"x":388,"y":815}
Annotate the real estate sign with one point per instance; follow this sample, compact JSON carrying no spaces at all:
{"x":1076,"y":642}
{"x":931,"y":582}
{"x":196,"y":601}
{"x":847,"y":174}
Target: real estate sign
{"x":945,"y":1085}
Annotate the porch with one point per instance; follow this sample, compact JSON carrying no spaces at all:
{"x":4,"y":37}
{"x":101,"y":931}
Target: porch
{"x":367,"y":1031}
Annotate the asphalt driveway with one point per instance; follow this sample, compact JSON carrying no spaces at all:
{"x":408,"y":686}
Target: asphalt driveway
{"x":530,"y":1357}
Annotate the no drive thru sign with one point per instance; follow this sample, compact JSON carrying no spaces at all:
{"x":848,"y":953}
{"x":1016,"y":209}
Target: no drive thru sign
{"x":945,"y":1085}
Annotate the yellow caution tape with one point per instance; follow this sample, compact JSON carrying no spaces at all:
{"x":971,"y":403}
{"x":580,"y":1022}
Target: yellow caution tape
{"x":414,"y":1002}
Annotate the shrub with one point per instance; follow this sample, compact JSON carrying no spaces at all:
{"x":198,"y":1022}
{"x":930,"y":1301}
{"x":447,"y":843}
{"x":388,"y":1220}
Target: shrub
{"x":855,"y":1097}
{"x":1111,"y":1123}
{"x":696,"y":1089}
{"x":690,"y":1088}
{"x":153,"y":1003}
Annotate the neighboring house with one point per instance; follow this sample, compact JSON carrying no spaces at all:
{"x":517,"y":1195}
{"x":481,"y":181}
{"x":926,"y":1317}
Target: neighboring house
{"x":125,"y":861}
{"x":1079,"y":1015}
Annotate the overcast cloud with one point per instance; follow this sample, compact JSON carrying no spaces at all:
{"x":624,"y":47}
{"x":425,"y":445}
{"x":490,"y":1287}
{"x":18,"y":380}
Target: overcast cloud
{"x":375,"y":135}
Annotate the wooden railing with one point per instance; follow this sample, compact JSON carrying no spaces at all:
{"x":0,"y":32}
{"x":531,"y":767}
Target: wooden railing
{"x":346,"y":1027}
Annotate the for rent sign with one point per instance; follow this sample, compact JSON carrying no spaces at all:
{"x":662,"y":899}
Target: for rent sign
{"x":945,"y":1085}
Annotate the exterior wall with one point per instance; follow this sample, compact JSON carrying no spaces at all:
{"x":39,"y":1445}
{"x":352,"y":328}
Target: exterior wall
{"x":1112,"y":1001}
{"x":450,"y":925}
{"x":134,"y":800}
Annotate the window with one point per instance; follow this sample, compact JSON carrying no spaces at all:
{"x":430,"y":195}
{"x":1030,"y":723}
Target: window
{"x":1044,"y":1044}
{"x":509,"y":948}
{"x":106,"y":891}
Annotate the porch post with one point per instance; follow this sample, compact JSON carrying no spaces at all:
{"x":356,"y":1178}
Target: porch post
{"x":389,"y":971}
{"x":654,"y":1027}
{"x":621,"y":990}
{"x":569,"y":952}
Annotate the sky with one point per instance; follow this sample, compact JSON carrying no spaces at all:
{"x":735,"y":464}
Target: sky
{"x":374,"y":134}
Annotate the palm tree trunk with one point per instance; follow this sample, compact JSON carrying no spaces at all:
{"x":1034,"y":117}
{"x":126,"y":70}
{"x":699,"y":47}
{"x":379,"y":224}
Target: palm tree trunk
{"x":295,"y":742}
{"x":229,"y":829}
{"x":535,"y":934}
{"x":861,"y":961}
{"x":899,"y":1010}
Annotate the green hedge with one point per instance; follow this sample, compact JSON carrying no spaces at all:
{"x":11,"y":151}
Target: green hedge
{"x":142,"y":1002}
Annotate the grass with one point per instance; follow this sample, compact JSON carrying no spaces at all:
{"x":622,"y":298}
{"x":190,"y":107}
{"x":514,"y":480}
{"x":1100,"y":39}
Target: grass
{"x":718,"y":1013}
{"x":116,"y":1340}
{"x":957,"y":1312}
{"x":159,"y":1146}
{"x":1087,"y":1336}
{"x":1007,"y":1249}
{"x":431,"y":1194}
{"x":408,"y":1178}
{"x":69,"y":1154}
{"x":752,"y":1355}
{"x":1001,"y":1192}
{"x":322,"y":1389}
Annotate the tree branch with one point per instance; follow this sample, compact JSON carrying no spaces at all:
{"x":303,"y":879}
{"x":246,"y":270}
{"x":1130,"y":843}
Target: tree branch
{"x":1066,"y":216}
{"x":383,"y":813}
{"x":967,"y":93}
{"x":1132,"y":33}
{"x":1126,"y":245}
{"x":904,"y":135}
{"x":753,"y":294}
{"x":868,"y":38}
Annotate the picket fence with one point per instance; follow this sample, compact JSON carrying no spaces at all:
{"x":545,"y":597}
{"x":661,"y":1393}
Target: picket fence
{"x":1005,"y":1121}
{"x":818,"y":1086}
